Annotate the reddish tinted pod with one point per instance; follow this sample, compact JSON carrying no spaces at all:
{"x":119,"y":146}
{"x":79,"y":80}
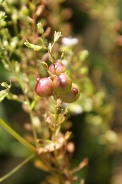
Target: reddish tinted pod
{"x":62,"y":84}
{"x":57,"y":68}
{"x":44,"y":87}
{"x":72,"y":95}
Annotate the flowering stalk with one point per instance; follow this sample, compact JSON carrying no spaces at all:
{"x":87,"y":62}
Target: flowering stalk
{"x":49,"y":150}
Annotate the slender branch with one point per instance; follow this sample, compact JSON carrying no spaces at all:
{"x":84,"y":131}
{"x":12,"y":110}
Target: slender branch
{"x":16,"y":168}
{"x":30,"y":111}
{"x":16,"y":135}
{"x":56,"y":131}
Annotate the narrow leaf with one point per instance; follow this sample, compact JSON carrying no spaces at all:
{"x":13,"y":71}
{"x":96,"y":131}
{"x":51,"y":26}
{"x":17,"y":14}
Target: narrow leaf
{"x":40,"y":28}
{"x":57,"y":35}
{"x":3,"y":94}
{"x":2,"y":15}
{"x":4,"y":84}
{"x":32,"y":46}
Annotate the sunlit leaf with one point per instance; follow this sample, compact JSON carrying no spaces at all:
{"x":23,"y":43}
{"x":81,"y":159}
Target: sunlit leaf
{"x":2,"y":15}
{"x":3,"y":94}
{"x":32,"y":46}
{"x":57,"y":35}
{"x":40,"y":28}
{"x":4,"y":84}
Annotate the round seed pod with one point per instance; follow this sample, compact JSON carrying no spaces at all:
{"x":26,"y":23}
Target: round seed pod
{"x":57,"y":68}
{"x":44,"y":87}
{"x":72,"y":95}
{"x":62,"y":83}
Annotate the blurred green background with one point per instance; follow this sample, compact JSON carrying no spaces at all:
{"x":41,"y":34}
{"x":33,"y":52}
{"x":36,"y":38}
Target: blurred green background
{"x":97,"y":127}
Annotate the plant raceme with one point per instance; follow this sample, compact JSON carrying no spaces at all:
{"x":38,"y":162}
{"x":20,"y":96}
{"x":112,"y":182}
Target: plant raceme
{"x":58,"y":83}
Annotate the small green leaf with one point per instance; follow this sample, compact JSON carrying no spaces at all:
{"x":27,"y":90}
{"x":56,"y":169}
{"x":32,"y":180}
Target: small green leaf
{"x":4,"y":84}
{"x":32,"y":46}
{"x":2,"y":15}
{"x":57,"y":35}
{"x":3,"y":94}
{"x":40,"y":28}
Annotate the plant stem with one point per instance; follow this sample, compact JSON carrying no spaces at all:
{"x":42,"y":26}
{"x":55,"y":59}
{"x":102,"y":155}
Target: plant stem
{"x":16,"y":135}
{"x":55,"y":126}
{"x":56,"y":131}
{"x":33,"y":127}
{"x":16,"y":168}
{"x":30,"y":111}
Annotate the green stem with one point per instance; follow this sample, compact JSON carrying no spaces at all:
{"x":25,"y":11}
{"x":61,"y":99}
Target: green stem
{"x":56,"y":131}
{"x":30,"y":111}
{"x":33,"y":127}
{"x":50,"y":54}
{"x":57,"y":124}
{"x":16,"y":168}
{"x":16,"y":135}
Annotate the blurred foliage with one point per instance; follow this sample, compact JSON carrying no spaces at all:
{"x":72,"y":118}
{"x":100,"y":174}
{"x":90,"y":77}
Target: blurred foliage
{"x":94,"y":63}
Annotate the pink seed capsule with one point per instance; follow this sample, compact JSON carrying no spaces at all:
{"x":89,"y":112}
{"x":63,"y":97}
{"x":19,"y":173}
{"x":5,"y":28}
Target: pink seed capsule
{"x":72,"y":95}
{"x":62,"y":83}
{"x":44,"y":87}
{"x":57,"y":68}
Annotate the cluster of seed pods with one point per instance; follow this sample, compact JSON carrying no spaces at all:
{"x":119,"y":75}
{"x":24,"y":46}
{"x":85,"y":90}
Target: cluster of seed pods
{"x":58,"y":83}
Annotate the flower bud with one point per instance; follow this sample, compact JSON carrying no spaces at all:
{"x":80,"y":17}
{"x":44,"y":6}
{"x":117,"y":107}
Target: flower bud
{"x":72,"y":95}
{"x":44,"y":87}
{"x":62,"y":83}
{"x":57,"y":68}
